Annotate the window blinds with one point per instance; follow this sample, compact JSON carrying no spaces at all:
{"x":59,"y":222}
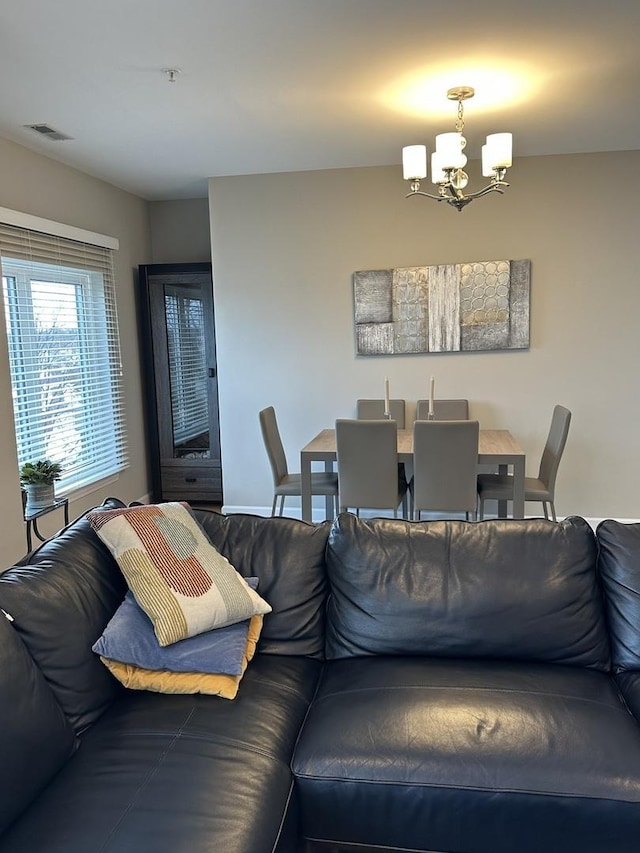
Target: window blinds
{"x":64,"y":353}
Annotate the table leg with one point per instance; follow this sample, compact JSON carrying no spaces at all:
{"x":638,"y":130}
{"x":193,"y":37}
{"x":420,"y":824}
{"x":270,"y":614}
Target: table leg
{"x":305,"y":486}
{"x":503,"y":506}
{"x":518,"y":488}
{"x":328,"y":501}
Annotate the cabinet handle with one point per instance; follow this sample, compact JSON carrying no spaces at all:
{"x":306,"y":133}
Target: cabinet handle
{"x":191,"y":479}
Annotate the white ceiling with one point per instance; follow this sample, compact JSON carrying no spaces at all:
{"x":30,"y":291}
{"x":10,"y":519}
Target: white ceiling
{"x":282,"y":85}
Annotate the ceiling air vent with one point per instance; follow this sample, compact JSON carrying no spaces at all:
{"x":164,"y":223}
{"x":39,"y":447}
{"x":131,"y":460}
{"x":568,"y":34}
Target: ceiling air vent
{"x":48,"y":132}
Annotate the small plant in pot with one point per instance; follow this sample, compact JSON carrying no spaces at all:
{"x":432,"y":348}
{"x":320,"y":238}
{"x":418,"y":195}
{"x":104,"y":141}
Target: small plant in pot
{"x":38,"y":479}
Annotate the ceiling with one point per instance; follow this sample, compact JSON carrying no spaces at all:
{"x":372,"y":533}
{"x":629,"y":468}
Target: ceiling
{"x":283,"y":85}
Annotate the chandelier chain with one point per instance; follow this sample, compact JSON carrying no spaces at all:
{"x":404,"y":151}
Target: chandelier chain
{"x":460,"y":121}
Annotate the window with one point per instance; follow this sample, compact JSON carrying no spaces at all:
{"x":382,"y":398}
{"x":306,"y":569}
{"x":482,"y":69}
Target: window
{"x":64,"y":354}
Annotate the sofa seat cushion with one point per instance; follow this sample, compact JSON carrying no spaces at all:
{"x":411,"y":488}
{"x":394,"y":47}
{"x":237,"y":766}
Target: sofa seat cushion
{"x":165,"y":773}
{"x":473,"y":756}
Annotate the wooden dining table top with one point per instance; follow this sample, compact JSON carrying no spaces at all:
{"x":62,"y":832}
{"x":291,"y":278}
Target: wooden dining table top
{"x":491,"y":442}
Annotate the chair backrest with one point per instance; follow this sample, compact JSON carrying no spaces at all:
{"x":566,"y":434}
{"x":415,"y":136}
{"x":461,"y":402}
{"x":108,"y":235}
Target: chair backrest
{"x":273,"y":444}
{"x":367,"y":454}
{"x":445,"y":465}
{"x":373,"y":410}
{"x":554,"y":447}
{"x":443,"y":410}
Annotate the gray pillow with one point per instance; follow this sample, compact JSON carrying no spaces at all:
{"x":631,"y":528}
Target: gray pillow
{"x":129,"y":638}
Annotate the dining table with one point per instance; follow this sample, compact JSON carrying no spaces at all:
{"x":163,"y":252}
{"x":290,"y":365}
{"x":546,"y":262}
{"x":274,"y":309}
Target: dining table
{"x":495,"y":447}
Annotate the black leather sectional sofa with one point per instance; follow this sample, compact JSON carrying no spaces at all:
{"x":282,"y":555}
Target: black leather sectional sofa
{"x":419,"y":686}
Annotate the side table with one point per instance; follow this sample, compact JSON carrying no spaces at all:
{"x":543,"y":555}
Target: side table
{"x":31,"y":518}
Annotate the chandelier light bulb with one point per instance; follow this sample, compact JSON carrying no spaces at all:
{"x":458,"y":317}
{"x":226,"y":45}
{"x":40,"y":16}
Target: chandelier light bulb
{"x":414,"y":162}
{"x":500,"y":145}
{"x":437,"y":174}
{"x":449,"y":147}
{"x":487,"y":169}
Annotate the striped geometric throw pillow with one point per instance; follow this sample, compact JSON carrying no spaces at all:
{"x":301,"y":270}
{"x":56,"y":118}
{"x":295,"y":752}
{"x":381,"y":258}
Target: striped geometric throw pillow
{"x":183,"y":584}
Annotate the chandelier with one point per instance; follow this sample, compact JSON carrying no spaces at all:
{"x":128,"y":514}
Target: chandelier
{"x":448,"y":161}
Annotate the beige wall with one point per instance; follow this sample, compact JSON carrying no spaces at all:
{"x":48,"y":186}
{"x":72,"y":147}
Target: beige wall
{"x":42,"y":187}
{"x":180,"y":231}
{"x":285,"y":247}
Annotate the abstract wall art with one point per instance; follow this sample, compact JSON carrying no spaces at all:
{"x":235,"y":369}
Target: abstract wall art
{"x":465,"y":307}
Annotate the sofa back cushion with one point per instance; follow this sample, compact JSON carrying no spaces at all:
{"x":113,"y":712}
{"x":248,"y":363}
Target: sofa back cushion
{"x":35,"y":736}
{"x":61,"y":596}
{"x":495,"y":589}
{"x":288,"y":557}
{"x":619,"y":566}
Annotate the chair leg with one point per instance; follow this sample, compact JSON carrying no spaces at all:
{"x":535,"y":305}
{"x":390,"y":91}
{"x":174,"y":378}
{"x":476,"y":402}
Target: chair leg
{"x":545,"y":510}
{"x":480,"y":509}
{"x":553,"y":511}
{"x":273,"y":506}
{"x":281,"y":504}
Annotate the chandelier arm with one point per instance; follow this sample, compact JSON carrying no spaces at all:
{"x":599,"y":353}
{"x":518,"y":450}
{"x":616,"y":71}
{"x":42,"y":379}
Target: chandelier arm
{"x":427,"y":195}
{"x":496,"y":187}
{"x":458,"y":198}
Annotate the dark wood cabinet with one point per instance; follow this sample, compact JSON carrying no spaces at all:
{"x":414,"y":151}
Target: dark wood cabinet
{"x":180,"y":384}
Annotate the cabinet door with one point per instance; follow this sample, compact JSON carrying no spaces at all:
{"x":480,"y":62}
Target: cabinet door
{"x":183,"y":411}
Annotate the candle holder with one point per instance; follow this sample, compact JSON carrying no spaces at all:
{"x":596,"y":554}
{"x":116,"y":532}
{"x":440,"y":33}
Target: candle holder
{"x":431,"y":416}
{"x":387,"y":416}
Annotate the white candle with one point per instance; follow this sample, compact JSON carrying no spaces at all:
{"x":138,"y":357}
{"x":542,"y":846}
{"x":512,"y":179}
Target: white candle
{"x":432,"y":386}
{"x":386,"y":397}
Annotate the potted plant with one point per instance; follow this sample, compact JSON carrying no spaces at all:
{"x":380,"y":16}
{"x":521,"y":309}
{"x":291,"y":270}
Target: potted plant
{"x":37,"y":479}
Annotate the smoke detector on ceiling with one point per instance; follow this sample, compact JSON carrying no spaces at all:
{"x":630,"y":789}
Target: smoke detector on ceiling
{"x":48,"y":132}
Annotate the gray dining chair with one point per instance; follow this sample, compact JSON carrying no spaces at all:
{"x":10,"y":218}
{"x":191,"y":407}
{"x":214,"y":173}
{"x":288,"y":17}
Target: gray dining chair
{"x":445,"y":467}
{"x":286,"y":484}
{"x":443,"y":410}
{"x":374,"y":410}
{"x":499,"y":487}
{"x":369,"y":410}
{"x":367,"y":454}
